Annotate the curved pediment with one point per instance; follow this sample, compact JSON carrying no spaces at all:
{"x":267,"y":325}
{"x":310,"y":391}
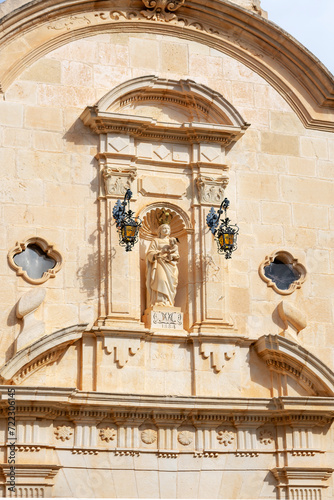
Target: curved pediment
{"x":41,"y":353}
{"x":256,"y":42}
{"x":155,"y":108}
{"x":170,"y":100}
{"x":284,"y":356}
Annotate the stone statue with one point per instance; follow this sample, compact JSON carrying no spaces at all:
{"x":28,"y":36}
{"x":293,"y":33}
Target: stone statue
{"x":161,"y":271}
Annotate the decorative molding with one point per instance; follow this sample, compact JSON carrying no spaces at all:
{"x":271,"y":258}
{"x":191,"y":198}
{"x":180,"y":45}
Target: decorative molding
{"x":266,"y":437}
{"x":205,"y":454}
{"x":306,"y":483}
{"x":149,"y":436}
{"x":41,"y":353}
{"x":31,"y":480}
{"x":162,"y":9}
{"x":48,"y":249}
{"x":210,"y":117}
{"x":250,"y":454}
{"x":108,"y":434}
{"x":84,"y":451}
{"x":185,"y":438}
{"x":218,"y":354}
{"x":63,"y":432}
{"x":123,"y":348}
{"x":211,"y":190}
{"x":167,"y":455}
{"x":28,"y":448}
{"x":69,"y":23}
{"x":117,"y":179}
{"x":225,"y":437}
{"x":127,"y":453}
{"x":245,"y":37}
{"x":287,"y":357}
{"x":287,"y":259}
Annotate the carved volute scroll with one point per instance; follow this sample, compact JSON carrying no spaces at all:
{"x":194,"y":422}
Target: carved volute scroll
{"x":161,"y":9}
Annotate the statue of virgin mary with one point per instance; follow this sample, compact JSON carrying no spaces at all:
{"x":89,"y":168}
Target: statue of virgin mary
{"x":161,"y":271}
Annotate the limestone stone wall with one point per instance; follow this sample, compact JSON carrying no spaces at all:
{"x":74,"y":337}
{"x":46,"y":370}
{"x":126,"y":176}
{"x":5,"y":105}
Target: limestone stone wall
{"x":280,"y":186}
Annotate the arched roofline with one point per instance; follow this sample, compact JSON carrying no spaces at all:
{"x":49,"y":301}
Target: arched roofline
{"x":38,"y":27}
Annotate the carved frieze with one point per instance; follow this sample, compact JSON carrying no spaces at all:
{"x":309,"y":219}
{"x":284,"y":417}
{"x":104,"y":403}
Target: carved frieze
{"x":211,"y":190}
{"x":118,"y":179}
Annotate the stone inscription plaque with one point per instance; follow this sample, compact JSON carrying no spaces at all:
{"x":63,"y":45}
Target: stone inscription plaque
{"x":163,"y":318}
{"x":169,"y":319}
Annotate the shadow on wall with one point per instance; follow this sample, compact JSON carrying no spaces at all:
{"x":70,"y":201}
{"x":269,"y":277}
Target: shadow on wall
{"x":89,"y":273}
{"x":257,"y":370}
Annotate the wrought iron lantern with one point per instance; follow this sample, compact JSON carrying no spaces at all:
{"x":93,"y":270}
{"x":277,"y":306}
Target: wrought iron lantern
{"x":127,"y":225}
{"x":226,"y":234}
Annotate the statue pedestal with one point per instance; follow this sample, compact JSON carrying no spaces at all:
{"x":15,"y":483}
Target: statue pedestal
{"x":163,"y":318}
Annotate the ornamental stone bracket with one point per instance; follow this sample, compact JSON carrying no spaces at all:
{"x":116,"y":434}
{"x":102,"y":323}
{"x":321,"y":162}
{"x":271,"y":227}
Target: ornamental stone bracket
{"x":287,"y":357}
{"x":218,"y":354}
{"x":121,"y":348}
{"x":211,"y":190}
{"x":117,"y":179}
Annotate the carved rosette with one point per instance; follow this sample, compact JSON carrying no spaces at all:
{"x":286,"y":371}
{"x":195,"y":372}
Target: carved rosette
{"x":185,"y":438}
{"x":161,"y":10}
{"x":211,"y":190}
{"x":107,"y":434}
{"x":117,"y":180}
{"x":225,"y":437}
{"x":149,"y":436}
{"x":63,"y":432}
{"x":266,"y":437}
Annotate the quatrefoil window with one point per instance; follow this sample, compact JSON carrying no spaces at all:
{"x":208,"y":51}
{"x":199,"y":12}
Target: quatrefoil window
{"x":282,"y":272}
{"x":35,"y":260}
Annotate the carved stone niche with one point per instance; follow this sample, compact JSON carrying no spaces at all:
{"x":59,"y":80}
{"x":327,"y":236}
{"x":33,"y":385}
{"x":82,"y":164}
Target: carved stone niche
{"x":166,"y":134}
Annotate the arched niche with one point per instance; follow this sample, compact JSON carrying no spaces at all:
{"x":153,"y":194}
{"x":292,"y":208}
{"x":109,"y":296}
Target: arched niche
{"x":181,"y":229}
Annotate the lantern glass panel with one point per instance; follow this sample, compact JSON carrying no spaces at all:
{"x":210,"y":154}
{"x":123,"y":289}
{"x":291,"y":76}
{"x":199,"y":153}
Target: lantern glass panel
{"x":129,"y":231}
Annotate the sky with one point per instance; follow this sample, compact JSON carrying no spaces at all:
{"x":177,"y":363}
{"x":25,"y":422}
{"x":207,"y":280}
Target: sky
{"x":309,"y":21}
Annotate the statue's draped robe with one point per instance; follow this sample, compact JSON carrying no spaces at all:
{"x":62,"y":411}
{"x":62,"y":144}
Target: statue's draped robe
{"x":162,"y":275}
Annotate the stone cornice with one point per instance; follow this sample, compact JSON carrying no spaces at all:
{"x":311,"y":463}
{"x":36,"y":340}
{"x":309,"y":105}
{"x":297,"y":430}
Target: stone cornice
{"x":39,"y":27}
{"x":78,"y":404}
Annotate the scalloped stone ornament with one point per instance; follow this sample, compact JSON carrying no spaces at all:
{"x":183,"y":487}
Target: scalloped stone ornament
{"x":149,"y":436}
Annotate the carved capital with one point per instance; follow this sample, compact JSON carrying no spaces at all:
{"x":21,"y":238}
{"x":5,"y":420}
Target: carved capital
{"x":211,"y":190}
{"x":117,"y":179}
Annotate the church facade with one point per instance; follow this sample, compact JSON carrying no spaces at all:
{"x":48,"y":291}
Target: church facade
{"x":170,"y":356}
